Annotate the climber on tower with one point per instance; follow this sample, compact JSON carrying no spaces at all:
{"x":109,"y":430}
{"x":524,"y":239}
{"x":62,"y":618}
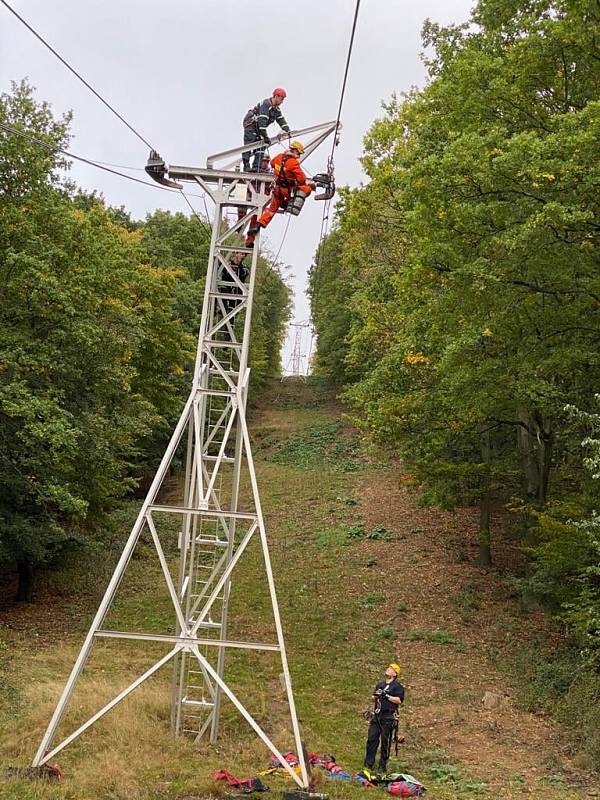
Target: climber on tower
{"x":256,"y":122}
{"x":289,"y":178}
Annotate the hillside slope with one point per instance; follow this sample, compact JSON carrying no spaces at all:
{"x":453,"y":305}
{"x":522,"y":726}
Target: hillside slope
{"x":364,"y":576}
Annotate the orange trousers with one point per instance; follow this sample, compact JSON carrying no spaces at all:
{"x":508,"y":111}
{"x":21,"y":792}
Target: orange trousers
{"x":280,"y":199}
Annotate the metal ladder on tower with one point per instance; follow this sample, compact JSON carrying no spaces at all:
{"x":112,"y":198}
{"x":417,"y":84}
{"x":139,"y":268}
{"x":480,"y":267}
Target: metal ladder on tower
{"x":215,"y":529}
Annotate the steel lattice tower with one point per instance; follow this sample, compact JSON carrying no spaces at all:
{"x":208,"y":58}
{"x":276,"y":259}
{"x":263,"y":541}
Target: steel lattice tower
{"x":214,"y":529}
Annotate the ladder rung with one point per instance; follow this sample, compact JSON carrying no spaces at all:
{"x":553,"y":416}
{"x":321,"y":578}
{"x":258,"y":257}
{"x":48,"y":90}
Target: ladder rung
{"x":215,"y":542}
{"x":219,"y":343}
{"x":229,"y":372}
{"x":212,"y":625}
{"x":201,"y":703}
{"x":222,"y":296}
{"x":217,"y":392}
{"x":240,"y":249}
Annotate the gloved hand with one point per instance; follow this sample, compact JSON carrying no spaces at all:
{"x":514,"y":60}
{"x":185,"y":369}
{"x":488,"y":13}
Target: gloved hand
{"x":266,"y":139}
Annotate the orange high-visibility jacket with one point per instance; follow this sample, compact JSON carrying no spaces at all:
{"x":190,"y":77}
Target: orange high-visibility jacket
{"x":288,"y":173}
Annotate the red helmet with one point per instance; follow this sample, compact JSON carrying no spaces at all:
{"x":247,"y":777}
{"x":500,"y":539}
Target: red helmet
{"x":279,"y":92}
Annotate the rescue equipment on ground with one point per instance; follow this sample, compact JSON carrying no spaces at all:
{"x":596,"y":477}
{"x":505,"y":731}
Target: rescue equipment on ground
{"x":406,"y":786}
{"x":397,"y":783}
{"x":247,"y":785}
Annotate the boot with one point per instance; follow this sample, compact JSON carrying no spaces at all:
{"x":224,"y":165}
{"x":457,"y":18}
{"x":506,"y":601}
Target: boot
{"x":251,"y":235}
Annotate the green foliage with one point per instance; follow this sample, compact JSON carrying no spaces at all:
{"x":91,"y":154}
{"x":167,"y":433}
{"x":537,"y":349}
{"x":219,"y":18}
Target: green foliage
{"x":468,"y":598}
{"x":464,"y":282}
{"x":324,"y":444}
{"x":469,"y":262}
{"x":378,"y":533}
{"x":25,"y":167}
{"x":81,"y":311}
{"x":453,"y":775}
{"x":98,"y":322}
{"x":436,"y":637}
{"x":372,"y":600}
{"x":553,"y":681}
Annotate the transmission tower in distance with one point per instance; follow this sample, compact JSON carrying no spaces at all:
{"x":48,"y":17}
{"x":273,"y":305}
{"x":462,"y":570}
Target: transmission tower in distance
{"x":294,"y":364}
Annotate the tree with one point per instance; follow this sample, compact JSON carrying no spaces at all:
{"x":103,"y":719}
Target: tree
{"x":474,"y":248}
{"x":81,"y":314}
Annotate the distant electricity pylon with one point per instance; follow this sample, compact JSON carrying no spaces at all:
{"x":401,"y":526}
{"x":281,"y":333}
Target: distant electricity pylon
{"x":214,"y":526}
{"x":294,"y":366}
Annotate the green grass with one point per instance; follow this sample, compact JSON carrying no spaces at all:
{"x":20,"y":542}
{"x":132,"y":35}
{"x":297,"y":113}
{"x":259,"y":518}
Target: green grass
{"x":468,"y":598}
{"x":310,"y":483}
{"x":435,"y":637}
{"x":322,"y":445}
{"x":372,"y":600}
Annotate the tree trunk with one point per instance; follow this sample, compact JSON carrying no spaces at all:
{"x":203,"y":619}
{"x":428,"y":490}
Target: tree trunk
{"x":26,"y":571}
{"x":535,"y":442}
{"x":485,"y":505}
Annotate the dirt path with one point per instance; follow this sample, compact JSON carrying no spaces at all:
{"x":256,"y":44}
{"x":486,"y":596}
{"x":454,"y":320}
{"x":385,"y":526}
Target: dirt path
{"x":474,"y":625}
{"x":454,"y":627}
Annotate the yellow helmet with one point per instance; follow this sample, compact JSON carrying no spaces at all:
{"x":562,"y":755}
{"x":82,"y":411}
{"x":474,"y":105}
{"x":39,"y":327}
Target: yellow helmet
{"x":296,"y":145}
{"x":396,"y":668}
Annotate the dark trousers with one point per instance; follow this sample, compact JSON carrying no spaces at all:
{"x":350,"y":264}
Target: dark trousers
{"x":251,"y":136}
{"x":380,"y":731}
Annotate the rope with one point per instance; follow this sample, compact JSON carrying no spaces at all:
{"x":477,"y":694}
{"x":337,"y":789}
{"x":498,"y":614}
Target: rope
{"x":287,"y":225}
{"x":196,"y":214}
{"x":327,"y":206}
{"x":350,"y":46}
{"x":77,"y":75}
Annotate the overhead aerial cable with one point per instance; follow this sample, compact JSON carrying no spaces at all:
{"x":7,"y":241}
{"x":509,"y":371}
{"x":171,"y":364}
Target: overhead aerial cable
{"x":326,"y":207}
{"x":195,"y":213}
{"x":77,"y":75}
{"x":53,"y":148}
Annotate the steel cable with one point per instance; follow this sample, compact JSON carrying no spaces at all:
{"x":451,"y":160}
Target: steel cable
{"x":56,"y":149}
{"x":77,"y":75}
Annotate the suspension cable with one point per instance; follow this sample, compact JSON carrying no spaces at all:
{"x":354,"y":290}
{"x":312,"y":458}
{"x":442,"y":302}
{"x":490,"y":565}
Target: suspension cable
{"x":327,"y":206}
{"x":53,"y":148}
{"x":77,"y":75}
{"x":195,"y":213}
{"x":342,"y":93}
{"x":287,"y":225}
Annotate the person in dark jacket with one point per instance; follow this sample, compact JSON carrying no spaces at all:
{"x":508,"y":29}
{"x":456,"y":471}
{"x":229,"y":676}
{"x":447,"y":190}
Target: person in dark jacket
{"x":256,"y":122}
{"x":387,"y":696}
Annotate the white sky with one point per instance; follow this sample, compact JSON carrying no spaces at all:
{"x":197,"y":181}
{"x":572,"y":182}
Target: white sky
{"x":183,"y":73}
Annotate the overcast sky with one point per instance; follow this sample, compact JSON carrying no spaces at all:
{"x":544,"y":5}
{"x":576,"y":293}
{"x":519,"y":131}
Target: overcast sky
{"x":184,"y":72}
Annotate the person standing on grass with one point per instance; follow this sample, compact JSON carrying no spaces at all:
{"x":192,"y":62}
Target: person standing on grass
{"x":387,"y":696}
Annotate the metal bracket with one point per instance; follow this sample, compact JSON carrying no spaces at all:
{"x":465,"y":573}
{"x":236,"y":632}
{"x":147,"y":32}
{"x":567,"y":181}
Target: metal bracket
{"x":157,"y":169}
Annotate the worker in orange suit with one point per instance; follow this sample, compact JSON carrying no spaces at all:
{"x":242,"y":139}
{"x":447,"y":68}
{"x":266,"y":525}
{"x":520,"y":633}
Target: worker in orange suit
{"x":289,"y":179}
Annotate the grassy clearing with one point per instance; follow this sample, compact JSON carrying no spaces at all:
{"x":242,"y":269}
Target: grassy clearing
{"x":340,"y":631}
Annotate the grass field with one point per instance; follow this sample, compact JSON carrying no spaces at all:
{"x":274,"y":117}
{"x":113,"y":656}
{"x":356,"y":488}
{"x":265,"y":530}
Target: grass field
{"x":363,"y":577}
